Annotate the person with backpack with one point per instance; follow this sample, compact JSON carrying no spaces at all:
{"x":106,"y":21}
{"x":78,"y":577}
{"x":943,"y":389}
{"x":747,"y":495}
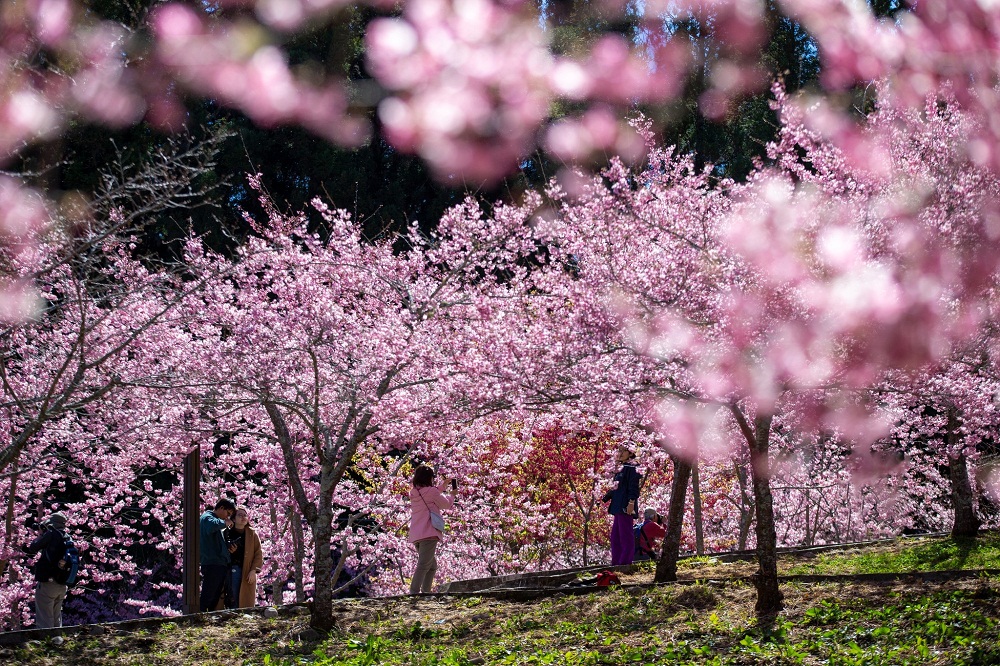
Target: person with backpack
{"x":647,"y":534}
{"x":55,"y":569}
{"x":624,"y":507}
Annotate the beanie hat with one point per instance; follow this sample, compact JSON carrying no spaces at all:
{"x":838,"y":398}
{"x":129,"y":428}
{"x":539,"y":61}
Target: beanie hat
{"x":57,"y":520}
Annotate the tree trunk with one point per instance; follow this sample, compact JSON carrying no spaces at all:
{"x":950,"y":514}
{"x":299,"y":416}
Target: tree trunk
{"x":321,"y":618}
{"x":335,"y":454}
{"x":747,"y":507}
{"x":809,"y":528}
{"x":666,"y":568}
{"x":966,"y":521}
{"x":699,"y":523}
{"x":769,"y":597}
{"x":277,"y":584}
{"x":14,"y":578}
{"x":9,"y":522}
{"x":16,"y":616}
{"x":298,"y":543}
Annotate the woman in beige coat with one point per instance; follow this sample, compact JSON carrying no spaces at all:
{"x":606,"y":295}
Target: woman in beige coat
{"x":247,"y":559}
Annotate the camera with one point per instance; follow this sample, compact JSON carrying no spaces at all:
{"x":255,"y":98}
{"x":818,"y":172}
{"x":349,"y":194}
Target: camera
{"x":454,"y":484}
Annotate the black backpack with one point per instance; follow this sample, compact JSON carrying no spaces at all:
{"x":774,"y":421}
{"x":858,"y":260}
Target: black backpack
{"x":66,"y":570}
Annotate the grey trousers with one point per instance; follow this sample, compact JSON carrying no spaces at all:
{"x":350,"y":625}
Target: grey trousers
{"x":49,"y":598}
{"x":423,"y":576}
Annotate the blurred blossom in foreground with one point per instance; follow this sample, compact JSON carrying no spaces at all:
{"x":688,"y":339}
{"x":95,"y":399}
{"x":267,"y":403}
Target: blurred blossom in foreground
{"x":249,"y":74}
{"x":23,"y":213}
{"x":598,"y":131}
{"x":469,"y":82}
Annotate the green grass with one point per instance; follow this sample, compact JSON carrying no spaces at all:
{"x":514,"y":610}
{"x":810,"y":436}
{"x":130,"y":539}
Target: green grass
{"x":703,"y":625}
{"x":694,"y":626}
{"x":844,"y":623}
{"x":937,"y":555}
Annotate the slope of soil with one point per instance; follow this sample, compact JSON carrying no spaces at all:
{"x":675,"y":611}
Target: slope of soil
{"x":907,"y":621}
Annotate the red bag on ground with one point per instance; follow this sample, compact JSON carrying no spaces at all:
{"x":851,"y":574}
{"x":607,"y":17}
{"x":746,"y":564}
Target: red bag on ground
{"x":607,"y":578}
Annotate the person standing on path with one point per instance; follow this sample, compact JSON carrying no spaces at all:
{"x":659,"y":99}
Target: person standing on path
{"x":624,"y":507}
{"x":427,"y":502}
{"x":246,"y":560}
{"x":49,"y":594}
{"x":214,"y":556}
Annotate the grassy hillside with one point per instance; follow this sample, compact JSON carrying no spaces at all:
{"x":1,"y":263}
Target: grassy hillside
{"x":699,"y":622}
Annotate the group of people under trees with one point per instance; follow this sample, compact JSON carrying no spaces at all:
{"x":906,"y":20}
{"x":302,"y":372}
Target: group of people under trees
{"x":629,"y":542}
{"x":231,"y":555}
{"x":231,"y":558}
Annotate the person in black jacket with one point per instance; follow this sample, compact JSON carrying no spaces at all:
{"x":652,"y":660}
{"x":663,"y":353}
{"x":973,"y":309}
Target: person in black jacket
{"x":49,"y":594}
{"x":624,"y":507}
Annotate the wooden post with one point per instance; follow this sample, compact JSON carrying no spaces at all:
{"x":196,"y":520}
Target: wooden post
{"x":192,"y":507}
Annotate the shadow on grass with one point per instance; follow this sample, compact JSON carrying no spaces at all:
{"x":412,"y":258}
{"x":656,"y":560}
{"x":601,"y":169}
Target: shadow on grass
{"x":952,"y":553}
{"x":965,"y":547}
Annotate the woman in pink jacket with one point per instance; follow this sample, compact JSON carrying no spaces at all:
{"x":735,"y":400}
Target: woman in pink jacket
{"x":425,"y":499}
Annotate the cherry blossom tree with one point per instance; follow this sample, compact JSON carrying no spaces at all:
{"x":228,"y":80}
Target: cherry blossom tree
{"x":83,"y":406}
{"x":324,"y":347}
{"x":86,"y":339}
{"x":949,"y":410}
{"x":866,"y":246}
{"x":757,"y":327}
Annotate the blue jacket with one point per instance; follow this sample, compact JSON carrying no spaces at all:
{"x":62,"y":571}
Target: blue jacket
{"x":627,"y":489}
{"x":213,"y":544}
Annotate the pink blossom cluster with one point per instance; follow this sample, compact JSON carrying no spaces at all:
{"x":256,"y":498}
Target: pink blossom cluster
{"x":23,"y":211}
{"x":472,"y":84}
{"x":469,"y":84}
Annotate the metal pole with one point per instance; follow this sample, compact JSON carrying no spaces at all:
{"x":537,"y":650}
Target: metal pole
{"x":192,"y":506}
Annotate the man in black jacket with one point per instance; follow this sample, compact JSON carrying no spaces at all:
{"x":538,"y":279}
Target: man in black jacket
{"x":49,"y":594}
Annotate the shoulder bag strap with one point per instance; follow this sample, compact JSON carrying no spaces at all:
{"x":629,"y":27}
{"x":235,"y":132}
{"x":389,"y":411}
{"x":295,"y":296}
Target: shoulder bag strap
{"x":420,"y":492}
